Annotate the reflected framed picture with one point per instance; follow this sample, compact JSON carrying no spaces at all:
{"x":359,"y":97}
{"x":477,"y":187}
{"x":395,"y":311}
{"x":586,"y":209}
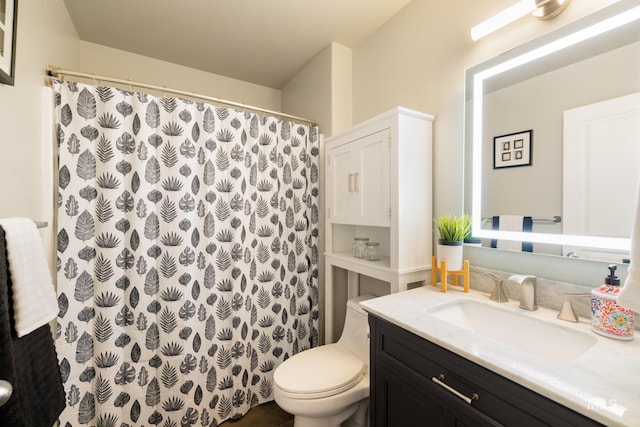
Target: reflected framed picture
{"x":512,"y":150}
{"x":8,"y":23}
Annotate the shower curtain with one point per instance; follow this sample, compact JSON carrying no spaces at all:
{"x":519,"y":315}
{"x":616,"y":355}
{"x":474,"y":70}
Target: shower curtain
{"x":187,"y":256}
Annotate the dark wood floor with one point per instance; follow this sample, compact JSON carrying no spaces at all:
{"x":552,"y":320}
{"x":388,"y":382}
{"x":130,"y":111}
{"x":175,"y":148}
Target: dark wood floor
{"x":266,"y":415}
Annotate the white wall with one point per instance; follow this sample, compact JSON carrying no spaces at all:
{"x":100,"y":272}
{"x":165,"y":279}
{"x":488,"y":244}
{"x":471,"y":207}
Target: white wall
{"x":99,"y":59}
{"x":44,"y":35}
{"x":322,"y":90}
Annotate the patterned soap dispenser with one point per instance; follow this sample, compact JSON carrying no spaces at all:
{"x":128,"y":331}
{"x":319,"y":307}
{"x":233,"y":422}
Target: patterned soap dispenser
{"x":607,"y":317}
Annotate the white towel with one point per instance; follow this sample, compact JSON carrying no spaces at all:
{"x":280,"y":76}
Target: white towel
{"x":510,"y":223}
{"x":34,"y":298}
{"x":629,"y":295}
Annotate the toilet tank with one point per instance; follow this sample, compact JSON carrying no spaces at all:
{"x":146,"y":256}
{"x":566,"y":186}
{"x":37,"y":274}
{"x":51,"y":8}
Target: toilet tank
{"x":355,"y":334}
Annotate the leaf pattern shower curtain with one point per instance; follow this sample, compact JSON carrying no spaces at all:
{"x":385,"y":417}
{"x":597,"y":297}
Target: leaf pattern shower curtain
{"x":187,"y":256}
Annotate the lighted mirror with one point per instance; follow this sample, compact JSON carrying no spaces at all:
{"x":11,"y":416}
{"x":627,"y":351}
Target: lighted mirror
{"x":553,"y":134}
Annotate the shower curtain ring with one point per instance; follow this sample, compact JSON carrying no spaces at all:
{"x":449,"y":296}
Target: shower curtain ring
{"x":95,"y":82}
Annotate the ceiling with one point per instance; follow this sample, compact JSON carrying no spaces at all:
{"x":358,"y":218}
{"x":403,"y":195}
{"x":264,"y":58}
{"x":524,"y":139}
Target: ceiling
{"x":266,"y":42}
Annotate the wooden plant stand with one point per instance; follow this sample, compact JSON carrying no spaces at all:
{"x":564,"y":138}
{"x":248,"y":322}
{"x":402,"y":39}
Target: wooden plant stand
{"x":444,"y":273}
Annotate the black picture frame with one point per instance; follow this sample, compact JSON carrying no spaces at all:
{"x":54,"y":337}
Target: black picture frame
{"x":8,"y":26}
{"x":513,"y":150}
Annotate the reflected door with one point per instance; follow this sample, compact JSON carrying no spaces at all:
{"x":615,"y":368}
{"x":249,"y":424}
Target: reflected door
{"x":601,"y":164}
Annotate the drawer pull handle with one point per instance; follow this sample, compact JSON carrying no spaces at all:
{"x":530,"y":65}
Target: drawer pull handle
{"x":5,"y":391}
{"x":440,"y":381}
{"x":350,"y":183}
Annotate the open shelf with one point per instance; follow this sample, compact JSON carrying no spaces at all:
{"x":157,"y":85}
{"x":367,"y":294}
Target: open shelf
{"x":376,"y":269}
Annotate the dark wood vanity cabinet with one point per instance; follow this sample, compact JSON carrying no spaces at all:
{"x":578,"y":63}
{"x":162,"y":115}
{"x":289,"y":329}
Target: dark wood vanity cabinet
{"x":414,"y":383}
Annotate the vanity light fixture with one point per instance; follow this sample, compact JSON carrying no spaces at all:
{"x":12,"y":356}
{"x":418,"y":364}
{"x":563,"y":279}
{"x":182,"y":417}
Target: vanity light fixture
{"x":541,"y":9}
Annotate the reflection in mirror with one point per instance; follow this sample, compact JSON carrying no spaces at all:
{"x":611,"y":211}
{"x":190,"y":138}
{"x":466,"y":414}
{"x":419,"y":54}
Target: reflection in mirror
{"x":548,"y":139}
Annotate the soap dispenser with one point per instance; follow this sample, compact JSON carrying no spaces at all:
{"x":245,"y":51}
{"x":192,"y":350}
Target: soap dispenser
{"x":607,"y":317}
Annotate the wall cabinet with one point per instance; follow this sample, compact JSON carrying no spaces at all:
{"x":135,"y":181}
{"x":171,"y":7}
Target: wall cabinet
{"x":415,"y":382}
{"x":359,"y":181}
{"x":378,"y":179}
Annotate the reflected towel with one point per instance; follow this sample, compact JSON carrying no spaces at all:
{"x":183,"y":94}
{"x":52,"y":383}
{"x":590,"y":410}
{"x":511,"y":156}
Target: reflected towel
{"x":629,"y":295}
{"x":512,"y":223}
{"x":34,"y":298}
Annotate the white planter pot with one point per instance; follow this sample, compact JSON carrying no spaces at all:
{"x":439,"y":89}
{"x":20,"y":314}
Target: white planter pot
{"x":451,"y":252}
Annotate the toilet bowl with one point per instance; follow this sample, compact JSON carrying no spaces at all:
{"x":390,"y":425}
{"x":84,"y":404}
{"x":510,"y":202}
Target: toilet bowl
{"x":327,"y":386}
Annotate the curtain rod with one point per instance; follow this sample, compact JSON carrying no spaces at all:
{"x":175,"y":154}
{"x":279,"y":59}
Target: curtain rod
{"x":62,"y":73}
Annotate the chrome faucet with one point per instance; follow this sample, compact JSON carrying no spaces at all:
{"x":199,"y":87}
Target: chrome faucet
{"x":566,"y":312}
{"x":498,"y":294}
{"x":527,"y":290}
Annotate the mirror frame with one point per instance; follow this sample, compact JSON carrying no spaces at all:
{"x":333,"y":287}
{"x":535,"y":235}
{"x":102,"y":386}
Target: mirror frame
{"x":597,"y":23}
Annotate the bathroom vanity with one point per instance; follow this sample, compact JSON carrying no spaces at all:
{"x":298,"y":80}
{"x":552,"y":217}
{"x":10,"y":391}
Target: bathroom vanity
{"x":457,"y":359}
{"x":416,"y":380}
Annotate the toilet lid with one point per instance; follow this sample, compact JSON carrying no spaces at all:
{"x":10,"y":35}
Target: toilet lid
{"x":321,"y":371}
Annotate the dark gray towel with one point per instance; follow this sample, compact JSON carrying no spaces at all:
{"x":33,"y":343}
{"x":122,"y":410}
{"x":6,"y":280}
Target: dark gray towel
{"x":29,"y":363}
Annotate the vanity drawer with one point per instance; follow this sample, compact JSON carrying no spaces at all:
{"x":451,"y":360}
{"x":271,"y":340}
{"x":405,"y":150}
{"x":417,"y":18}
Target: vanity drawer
{"x":410,"y":399}
{"x":499,"y":398}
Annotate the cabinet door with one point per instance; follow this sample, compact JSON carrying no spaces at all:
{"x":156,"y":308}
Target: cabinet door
{"x":358,"y":181}
{"x":404,"y":398}
{"x":340,"y":183}
{"x":372,"y":179}
{"x":403,"y":402}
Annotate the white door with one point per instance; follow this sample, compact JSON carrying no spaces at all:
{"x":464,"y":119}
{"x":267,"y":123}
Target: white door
{"x":601,"y":165}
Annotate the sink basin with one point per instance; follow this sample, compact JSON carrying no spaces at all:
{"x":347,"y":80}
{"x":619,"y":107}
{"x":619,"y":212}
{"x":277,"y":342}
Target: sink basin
{"x":537,"y":337}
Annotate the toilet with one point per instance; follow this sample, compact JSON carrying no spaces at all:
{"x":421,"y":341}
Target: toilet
{"x":327,"y":386}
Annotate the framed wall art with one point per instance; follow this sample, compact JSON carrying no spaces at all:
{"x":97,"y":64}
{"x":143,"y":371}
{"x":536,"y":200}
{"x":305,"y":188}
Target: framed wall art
{"x":512,"y":150}
{"x":8,"y":23}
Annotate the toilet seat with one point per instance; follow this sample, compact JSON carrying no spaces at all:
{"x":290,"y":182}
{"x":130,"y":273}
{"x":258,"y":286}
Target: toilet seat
{"x":319,"y":372}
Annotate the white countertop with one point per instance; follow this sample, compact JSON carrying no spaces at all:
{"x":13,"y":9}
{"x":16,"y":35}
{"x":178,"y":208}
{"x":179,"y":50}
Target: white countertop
{"x":603,"y":383}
